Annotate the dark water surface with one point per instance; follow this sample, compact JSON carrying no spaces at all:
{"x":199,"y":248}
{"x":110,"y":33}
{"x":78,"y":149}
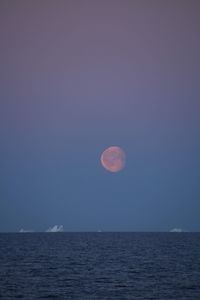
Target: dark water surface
{"x":100,"y":266}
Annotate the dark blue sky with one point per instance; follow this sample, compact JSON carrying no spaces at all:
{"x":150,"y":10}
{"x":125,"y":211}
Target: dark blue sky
{"x":79,"y":76}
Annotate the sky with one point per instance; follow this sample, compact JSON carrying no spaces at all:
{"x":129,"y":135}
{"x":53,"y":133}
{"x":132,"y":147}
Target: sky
{"x":79,"y":76}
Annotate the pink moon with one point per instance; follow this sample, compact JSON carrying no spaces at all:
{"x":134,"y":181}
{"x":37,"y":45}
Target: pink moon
{"x":113,"y":159}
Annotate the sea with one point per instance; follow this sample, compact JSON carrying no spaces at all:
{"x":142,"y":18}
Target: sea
{"x":102,"y":265}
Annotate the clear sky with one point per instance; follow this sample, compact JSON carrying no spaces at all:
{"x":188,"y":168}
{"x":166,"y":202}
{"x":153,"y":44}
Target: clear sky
{"x":79,"y":76}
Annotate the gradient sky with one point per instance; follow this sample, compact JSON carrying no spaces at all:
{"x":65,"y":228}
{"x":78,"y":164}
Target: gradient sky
{"x":79,"y":76}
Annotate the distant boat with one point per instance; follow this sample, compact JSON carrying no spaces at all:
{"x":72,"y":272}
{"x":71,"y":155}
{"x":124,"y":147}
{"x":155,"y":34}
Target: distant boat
{"x":56,"y":228}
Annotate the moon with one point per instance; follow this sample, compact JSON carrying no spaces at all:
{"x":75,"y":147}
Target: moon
{"x":113,"y":159}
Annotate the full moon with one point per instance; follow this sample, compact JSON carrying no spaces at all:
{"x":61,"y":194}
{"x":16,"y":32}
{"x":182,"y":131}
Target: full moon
{"x":113,"y":159}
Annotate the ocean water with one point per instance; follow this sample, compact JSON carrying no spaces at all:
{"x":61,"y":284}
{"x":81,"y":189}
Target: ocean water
{"x":100,"y":266}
